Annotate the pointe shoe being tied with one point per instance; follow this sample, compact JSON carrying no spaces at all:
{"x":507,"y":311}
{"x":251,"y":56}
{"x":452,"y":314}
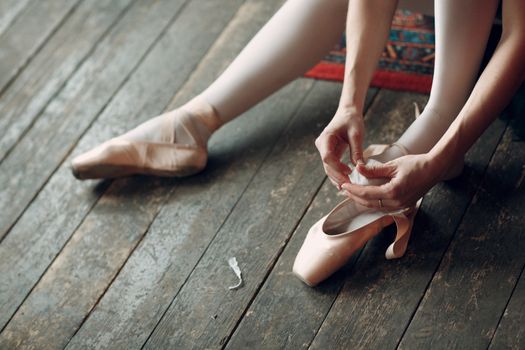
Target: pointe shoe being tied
{"x":166,"y":155}
{"x":332,"y":241}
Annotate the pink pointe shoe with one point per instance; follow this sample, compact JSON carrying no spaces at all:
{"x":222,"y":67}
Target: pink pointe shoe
{"x":128,"y":155}
{"x":332,"y":241}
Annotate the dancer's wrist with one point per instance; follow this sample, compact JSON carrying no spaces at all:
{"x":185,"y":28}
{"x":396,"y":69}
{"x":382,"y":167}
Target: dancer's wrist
{"x":440,"y":162}
{"x":352,"y":98}
{"x":349,"y":111}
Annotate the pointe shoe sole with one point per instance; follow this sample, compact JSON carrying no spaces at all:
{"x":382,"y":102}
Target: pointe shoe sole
{"x":108,"y":171}
{"x":117,"y":158}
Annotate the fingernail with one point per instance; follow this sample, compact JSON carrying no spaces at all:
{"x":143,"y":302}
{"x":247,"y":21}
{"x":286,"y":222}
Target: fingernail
{"x":360,"y":162}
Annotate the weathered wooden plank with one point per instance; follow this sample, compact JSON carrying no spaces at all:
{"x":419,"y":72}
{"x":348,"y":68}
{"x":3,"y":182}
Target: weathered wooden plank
{"x":28,"y":166}
{"x":105,"y":238}
{"x":57,"y":210}
{"x":511,"y":332}
{"x":9,"y":10}
{"x":26,"y":34}
{"x":286,"y":313}
{"x":378,"y":300}
{"x":48,"y":70}
{"x":479,"y":271}
{"x":255,"y":231}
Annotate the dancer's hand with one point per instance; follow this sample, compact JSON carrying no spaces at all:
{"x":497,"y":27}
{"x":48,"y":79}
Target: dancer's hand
{"x":410,"y":177}
{"x":345,"y":131}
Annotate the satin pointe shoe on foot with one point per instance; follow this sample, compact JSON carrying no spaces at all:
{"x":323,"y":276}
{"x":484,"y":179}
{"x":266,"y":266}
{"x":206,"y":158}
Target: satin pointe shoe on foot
{"x":332,"y":241}
{"x":166,"y":156}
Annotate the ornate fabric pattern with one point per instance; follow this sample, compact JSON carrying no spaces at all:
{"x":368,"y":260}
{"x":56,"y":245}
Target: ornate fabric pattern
{"x":407,"y":62}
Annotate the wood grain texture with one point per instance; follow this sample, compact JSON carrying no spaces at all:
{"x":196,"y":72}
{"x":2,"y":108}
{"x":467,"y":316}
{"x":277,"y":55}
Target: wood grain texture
{"x":469,"y":292}
{"x":511,"y":333}
{"x":26,"y":34}
{"x":28,"y":166}
{"x":104,"y":240}
{"x":50,"y":68}
{"x":255,"y":232}
{"x":286,"y":313}
{"x":65,"y":294}
{"x":56,"y":211}
{"x":9,"y":10}
{"x":268,"y":322}
{"x":24,"y":253}
{"x":380,"y":296}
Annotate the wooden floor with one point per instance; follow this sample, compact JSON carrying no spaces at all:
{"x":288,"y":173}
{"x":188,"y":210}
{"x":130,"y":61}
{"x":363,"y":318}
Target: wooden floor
{"x":142,"y":262}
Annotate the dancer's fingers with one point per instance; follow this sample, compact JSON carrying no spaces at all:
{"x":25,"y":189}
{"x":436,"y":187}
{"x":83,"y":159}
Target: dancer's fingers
{"x":330,"y":149}
{"x":356,"y":147}
{"x":359,"y":200}
{"x":384,"y":204}
{"x":337,"y":178}
{"x":378,"y":171}
{"x":335,"y":183}
{"x":385,"y":191}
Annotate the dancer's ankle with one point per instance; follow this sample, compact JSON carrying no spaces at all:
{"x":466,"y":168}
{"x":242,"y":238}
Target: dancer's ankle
{"x":205,"y":112}
{"x":392,"y":152}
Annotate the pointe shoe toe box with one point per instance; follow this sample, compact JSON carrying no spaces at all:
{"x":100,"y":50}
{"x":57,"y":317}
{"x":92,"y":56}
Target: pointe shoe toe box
{"x":319,"y":256}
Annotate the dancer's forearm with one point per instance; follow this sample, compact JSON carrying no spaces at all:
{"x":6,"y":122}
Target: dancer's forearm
{"x":499,"y":81}
{"x":367,"y":28}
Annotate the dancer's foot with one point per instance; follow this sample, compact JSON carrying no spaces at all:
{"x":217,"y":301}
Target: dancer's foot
{"x":171,"y":144}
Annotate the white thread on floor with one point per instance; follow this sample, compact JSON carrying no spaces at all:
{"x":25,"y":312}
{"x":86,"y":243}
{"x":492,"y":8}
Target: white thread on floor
{"x":235,"y":267}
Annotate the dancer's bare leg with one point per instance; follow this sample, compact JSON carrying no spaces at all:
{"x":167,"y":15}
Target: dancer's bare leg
{"x":462,"y":31}
{"x":290,"y":43}
{"x":299,"y":34}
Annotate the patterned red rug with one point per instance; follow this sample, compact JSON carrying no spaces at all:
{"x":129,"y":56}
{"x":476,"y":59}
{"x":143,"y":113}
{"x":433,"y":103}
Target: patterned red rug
{"x":407,"y":62}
